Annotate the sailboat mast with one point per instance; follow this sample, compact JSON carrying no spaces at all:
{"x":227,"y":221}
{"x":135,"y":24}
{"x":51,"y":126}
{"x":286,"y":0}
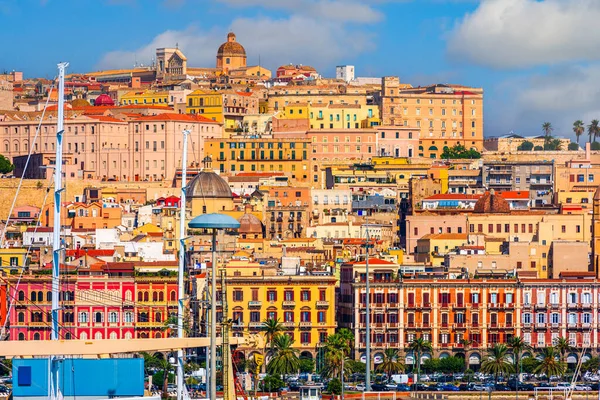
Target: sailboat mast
{"x":182,"y":210}
{"x":56,"y":244}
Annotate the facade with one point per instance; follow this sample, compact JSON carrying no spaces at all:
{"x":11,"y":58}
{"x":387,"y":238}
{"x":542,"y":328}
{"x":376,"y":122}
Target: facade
{"x":444,"y":115}
{"x":303,"y":303}
{"x":535,"y":177}
{"x":344,"y":72}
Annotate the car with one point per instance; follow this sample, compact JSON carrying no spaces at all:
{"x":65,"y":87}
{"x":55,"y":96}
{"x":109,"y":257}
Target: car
{"x":403,"y":387}
{"x":418,"y":387}
{"x":501,"y":387}
{"x":563,"y":385}
{"x":391,"y":386}
{"x":450,"y":388}
{"x":478,"y":387}
{"x":425,"y":378}
{"x":463,"y":387}
{"x":582,"y":387}
{"x":360,"y":387}
{"x":378,"y":387}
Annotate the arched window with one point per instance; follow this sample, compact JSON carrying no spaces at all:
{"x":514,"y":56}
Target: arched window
{"x":49,"y":297}
{"x":21,"y":336}
{"x":113,"y":335}
{"x":161,"y":296}
{"x":40,"y":296}
{"x":68,"y":336}
{"x":154,"y":296}
{"x":22,"y":295}
{"x":128,"y":295}
{"x":128,"y":335}
{"x":128,"y":317}
{"x":21,"y":317}
{"x":173,"y":296}
{"x":33,"y":297}
{"x":140,"y":296}
{"x":227,"y":60}
{"x":83,"y":336}
{"x":158,"y":335}
{"x":98,"y":336}
{"x":113,"y":317}
{"x":158,"y":317}
{"x":98,"y":317}
{"x":36,"y":336}
{"x":146,"y":296}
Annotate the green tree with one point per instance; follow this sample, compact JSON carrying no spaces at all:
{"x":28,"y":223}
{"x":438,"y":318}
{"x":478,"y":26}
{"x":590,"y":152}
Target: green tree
{"x":162,"y":367}
{"x":271,"y":328}
{"x":579,"y":129}
{"x":307,"y":365}
{"x":391,"y":363}
{"x":271,"y":383}
{"x":5,"y":165}
{"x":356,"y":367}
{"x":419,"y":346}
{"x":595,"y":146}
{"x":529,"y":364}
{"x":547,"y":129}
{"x":562,"y":346}
{"x":553,"y":145}
{"x":284,"y":358}
{"x":526,"y":145}
{"x":431,"y":365}
{"x":458,"y":151}
{"x":549,"y":363}
{"x":538,"y":148}
{"x":517,"y":346}
{"x":573,"y":146}
{"x":591,"y":365}
{"x":594,"y":129}
{"x":450,"y":365}
{"x":334,"y":386}
{"x":497,"y":362}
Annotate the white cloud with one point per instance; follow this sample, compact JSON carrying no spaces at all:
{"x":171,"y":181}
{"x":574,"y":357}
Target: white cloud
{"x":296,"y":39}
{"x":525,"y":33}
{"x":561,"y":96}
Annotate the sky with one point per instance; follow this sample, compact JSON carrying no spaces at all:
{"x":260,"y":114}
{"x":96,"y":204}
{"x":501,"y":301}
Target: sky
{"x":537,"y":60}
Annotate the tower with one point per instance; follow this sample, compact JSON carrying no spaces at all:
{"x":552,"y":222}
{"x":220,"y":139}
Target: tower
{"x":231,"y":54}
{"x":595,"y":261}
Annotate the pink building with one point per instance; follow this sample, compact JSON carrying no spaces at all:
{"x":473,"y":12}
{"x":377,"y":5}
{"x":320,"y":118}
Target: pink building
{"x":397,"y":141}
{"x":343,"y":145}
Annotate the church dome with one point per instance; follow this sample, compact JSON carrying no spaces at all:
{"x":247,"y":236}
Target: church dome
{"x":231,"y":47}
{"x":491,"y":203}
{"x":208,"y":185}
{"x":104,"y":100}
{"x":249,"y":223}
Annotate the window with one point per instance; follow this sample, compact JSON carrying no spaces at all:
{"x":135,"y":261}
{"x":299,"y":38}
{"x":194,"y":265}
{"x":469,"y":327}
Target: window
{"x":113,"y":317}
{"x":305,"y":337}
{"x":82,"y":317}
{"x":238,"y":295}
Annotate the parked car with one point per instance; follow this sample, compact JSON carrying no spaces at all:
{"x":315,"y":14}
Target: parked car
{"x":419,"y":387}
{"x":501,"y":387}
{"x":582,"y":387}
{"x":563,"y":385}
{"x":403,"y":387}
{"x":477,"y":387}
{"x":379,"y":387}
{"x":360,"y":387}
{"x":463,"y":387}
{"x":450,"y":388}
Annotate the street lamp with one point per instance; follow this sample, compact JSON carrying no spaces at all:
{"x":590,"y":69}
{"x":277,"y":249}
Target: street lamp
{"x":214,"y":222}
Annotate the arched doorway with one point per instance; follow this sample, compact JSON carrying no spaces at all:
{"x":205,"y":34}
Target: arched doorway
{"x":474,"y":361}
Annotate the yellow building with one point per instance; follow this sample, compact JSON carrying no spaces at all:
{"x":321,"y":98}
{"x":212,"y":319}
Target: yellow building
{"x":333,"y":116}
{"x":150,"y":97}
{"x":208,"y":104}
{"x":432,"y":248}
{"x":304,"y":304}
{"x":233,"y":155}
{"x":13,"y":258}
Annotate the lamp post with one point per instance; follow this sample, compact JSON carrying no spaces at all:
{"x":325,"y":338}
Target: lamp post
{"x":214,"y":222}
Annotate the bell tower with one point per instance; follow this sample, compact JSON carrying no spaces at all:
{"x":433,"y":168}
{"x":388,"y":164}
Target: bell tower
{"x":595,"y":261}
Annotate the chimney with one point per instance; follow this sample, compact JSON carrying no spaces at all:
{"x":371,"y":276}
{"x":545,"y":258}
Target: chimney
{"x":588,"y":149}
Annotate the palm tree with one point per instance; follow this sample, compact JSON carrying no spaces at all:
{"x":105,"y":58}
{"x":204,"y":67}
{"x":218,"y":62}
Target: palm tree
{"x":284,"y":359}
{"x":391,"y":363}
{"x":160,"y":364}
{"x":465,"y":344}
{"x":498,"y":361}
{"x":419,"y":346}
{"x":547,"y":128}
{"x":271,"y":328}
{"x":549,"y":363}
{"x":594,"y":129}
{"x":563,"y":346}
{"x":578,"y":128}
{"x":517,"y":346}
{"x":337,"y":349}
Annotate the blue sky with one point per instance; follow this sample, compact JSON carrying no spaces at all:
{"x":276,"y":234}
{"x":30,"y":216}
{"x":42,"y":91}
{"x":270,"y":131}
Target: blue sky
{"x":534,"y":58}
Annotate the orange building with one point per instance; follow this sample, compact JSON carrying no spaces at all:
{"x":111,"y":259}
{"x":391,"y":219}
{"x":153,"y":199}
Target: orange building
{"x":84,"y":216}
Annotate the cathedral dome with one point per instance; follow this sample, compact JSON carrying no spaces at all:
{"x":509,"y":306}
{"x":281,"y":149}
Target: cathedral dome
{"x":104,"y":100}
{"x":491,"y":203}
{"x":231,"y":47}
{"x":250,"y":224}
{"x":208,"y":185}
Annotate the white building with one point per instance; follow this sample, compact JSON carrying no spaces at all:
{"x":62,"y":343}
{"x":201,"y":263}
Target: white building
{"x":345,"y":72}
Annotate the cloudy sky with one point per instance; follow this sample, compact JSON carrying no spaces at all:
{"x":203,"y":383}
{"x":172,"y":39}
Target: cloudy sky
{"x":537,"y":60}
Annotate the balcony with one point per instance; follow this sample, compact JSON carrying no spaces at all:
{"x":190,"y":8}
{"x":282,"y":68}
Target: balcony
{"x":289,"y":303}
{"x":305,"y":324}
{"x":254,"y":303}
{"x":541,"y":306}
{"x":392,"y":325}
{"x":289,"y":324}
{"x":460,"y":325}
{"x":426,"y":305}
{"x":572,"y":306}
{"x":572,"y":326}
{"x":460,"y":305}
{"x":39,"y":324}
{"x":496,"y":306}
{"x":445,"y":305}
{"x":255,"y":325}
{"x":412,"y":306}
{"x":238,"y":324}
{"x":392,"y":305}
{"x":322,"y":303}
{"x":540,"y":325}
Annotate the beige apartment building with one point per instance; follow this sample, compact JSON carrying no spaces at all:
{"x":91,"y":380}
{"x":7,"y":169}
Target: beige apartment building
{"x":444,"y":115}
{"x":103,"y":147}
{"x":281,"y":96}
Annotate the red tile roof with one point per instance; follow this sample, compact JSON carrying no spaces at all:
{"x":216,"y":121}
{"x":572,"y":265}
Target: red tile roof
{"x":177,"y":117}
{"x":90,"y":252}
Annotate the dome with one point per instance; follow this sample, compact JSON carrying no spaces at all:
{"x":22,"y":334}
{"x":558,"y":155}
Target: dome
{"x":249,"y":223}
{"x":491,"y":203}
{"x":104,"y":100}
{"x":208,"y":185}
{"x":231,"y":47}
